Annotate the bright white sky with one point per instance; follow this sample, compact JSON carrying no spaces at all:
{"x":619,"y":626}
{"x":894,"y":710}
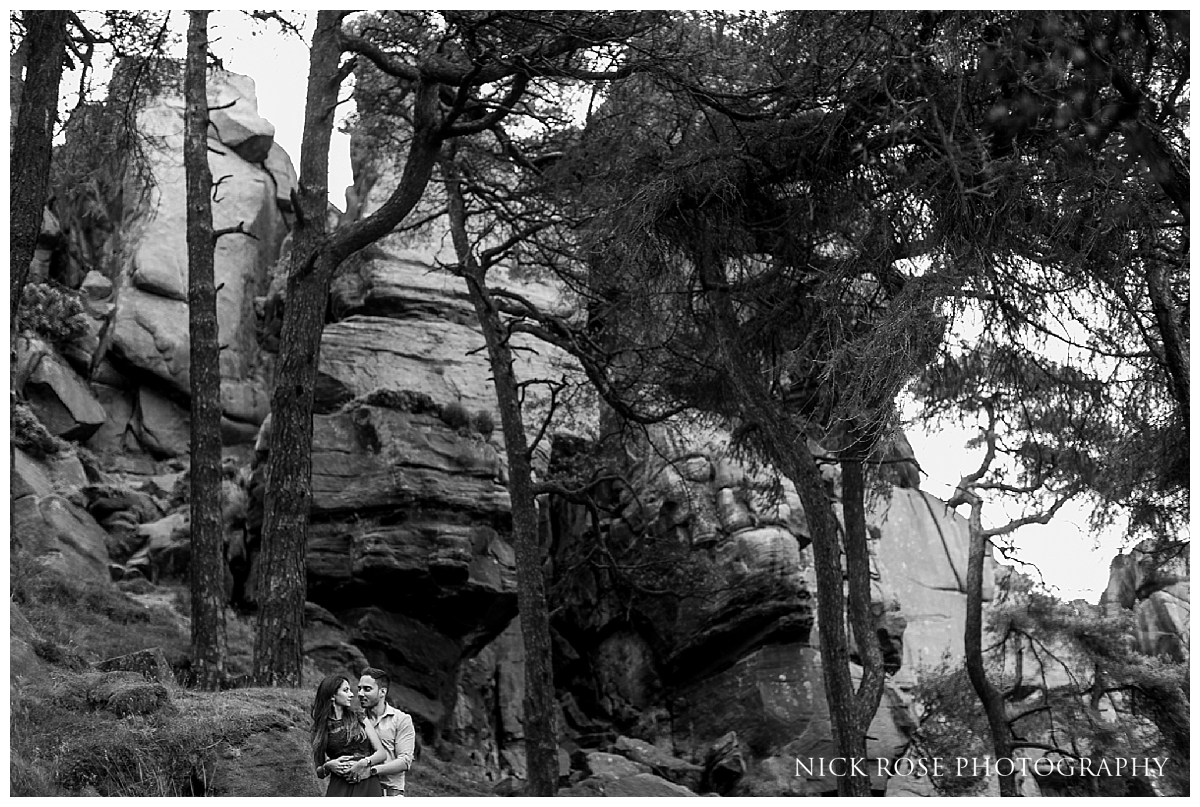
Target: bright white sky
{"x":1072,"y":560}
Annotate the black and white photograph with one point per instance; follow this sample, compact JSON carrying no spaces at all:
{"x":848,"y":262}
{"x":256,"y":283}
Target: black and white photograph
{"x":610,"y":403}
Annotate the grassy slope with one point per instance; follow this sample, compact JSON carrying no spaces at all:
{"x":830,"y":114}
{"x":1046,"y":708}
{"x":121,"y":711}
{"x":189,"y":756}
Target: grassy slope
{"x":244,"y":742}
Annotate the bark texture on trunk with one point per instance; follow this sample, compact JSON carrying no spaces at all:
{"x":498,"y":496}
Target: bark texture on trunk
{"x":32,"y":145}
{"x":786,"y":446}
{"x":541,"y":743}
{"x":207,"y":565}
{"x":316,"y":255}
{"x":282,"y":583}
{"x":858,"y":571}
{"x":992,"y":700}
{"x":1176,"y":356}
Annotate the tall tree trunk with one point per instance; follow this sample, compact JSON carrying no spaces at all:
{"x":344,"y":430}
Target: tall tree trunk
{"x":32,"y":143}
{"x":993,"y":702}
{"x":858,"y":572}
{"x":1176,"y":357}
{"x":315,"y":256}
{"x":786,"y":446}
{"x":541,"y":744}
{"x":207,"y":564}
{"x":282,"y":583}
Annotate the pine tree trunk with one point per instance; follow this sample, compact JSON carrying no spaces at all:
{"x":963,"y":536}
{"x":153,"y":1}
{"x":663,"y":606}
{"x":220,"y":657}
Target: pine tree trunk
{"x":207,"y":565}
{"x":31,"y":147}
{"x":786,"y":446}
{"x":541,"y":744}
{"x":793,"y":458}
{"x":858,"y":573}
{"x":282,"y":582}
{"x":1176,"y":358}
{"x":993,"y":702}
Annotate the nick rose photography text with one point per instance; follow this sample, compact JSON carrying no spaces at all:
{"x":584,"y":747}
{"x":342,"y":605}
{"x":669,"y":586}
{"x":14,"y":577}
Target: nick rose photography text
{"x":978,"y":766}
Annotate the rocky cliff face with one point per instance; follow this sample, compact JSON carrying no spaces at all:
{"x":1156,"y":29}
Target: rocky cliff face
{"x":124,"y":388}
{"x":698,"y":622}
{"x":408,"y":546}
{"x":1156,"y":586}
{"x":690,"y":613}
{"x":684,"y":617}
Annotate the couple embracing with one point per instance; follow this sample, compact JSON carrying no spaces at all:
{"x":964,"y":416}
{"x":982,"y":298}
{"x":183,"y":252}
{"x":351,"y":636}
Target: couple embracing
{"x":367,"y":753}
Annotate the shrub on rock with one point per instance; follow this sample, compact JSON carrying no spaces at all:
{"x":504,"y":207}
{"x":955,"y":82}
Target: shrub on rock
{"x":455,"y":415}
{"x":484,"y":423}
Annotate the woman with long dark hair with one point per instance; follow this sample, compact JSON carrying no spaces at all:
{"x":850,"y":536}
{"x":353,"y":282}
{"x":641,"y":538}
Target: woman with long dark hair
{"x":345,"y":746}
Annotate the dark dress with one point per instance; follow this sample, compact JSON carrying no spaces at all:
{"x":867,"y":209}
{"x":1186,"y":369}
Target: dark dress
{"x":339,"y":744}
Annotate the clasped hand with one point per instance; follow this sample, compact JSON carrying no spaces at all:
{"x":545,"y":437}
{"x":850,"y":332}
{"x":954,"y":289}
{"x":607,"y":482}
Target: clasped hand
{"x":349,"y":768}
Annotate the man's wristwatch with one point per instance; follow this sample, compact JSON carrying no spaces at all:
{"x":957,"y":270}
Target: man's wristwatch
{"x":372,"y":772}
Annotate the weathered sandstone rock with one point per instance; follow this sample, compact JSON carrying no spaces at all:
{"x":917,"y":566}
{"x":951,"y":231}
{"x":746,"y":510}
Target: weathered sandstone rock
{"x":635,"y":785}
{"x":661,"y":763}
{"x":125,"y":693}
{"x":151,"y":664}
{"x":163,"y":426}
{"x":598,"y":763}
{"x":733,"y":648}
{"x":327,"y":643}
{"x":150,"y":323}
{"x":23,"y":661}
{"x":922,"y":562}
{"x":51,"y":527}
{"x":405,"y":324}
{"x":373,"y":458}
{"x":234,"y":117}
{"x":61,"y":399}
{"x":1157,"y":587}
{"x":407,"y":549}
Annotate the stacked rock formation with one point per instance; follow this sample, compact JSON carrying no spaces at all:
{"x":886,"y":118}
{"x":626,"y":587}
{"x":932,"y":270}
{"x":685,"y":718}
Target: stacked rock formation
{"x":1156,"y":586}
{"x":408,"y":550}
{"x":132,"y":407}
{"x":685,"y":643}
{"x":691,"y":614}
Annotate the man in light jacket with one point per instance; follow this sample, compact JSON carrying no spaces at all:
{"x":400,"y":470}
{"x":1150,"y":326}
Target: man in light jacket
{"x":395,"y":730}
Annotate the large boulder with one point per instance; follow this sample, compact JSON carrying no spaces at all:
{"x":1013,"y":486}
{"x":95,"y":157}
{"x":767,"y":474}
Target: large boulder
{"x":279,"y":166}
{"x":1156,"y":585}
{"x":52,"y":527}
{"x":669,"y":767}
{"x":598,"y":763}
{"x":23,"y":661}
{"x":408,"y":553}
{"x":1164,"y":621}
{"x":733,"y":651}
{"x":406,"y":324}
{"x":272,"y":760}
{"x":163,"y":426}
{"x":640,"y":785}
{"x":149,"y":331}
{"x":125,"y":693}
{"x":233,"y":118}
{"x":150,"y":663}
{"x":436,"y":356}
{"x":922,"y":562}
{"x":62,"y":400}
{"x":166,"y":548}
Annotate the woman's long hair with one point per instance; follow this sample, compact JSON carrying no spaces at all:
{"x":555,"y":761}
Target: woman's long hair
{"x":322,"y":710}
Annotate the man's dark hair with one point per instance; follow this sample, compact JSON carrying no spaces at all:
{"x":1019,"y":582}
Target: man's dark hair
{"x":381,"y":677}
